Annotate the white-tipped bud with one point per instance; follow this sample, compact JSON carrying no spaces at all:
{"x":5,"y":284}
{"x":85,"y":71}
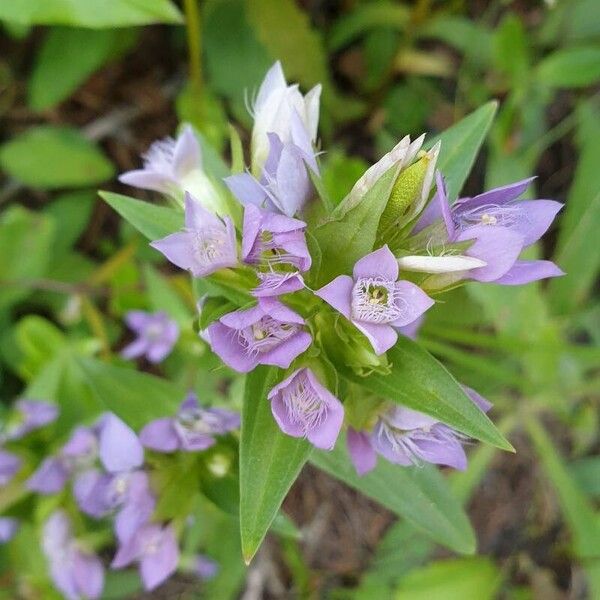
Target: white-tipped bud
{"x":440,"y":264}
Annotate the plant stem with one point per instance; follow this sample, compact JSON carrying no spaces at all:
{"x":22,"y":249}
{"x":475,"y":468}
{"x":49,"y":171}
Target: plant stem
{"x":194,"y":39}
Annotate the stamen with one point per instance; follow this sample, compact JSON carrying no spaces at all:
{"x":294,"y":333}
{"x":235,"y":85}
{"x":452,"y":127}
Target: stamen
{"x":505,"y":215}
{"x":375,"y":300}
{"x":210,"y":246}
{"x":265,"y":335}
{"x":303,"y":406}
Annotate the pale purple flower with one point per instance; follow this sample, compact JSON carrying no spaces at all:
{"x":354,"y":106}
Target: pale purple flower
{"x":205,"y":245}
{"x":8,"y":529}
{"x":156,"y":335}
{"x":192,"y":429}
{"x":269,"y":333}
{"x":303,"y":407}
{"x":284,"y":185}
{"x":274,"y":110}
{"x":407,"y":437}
{"x":204,"y":567}
{"x":274,"y":283}
{"x":173,"y":167}
{"x":501,"y":226}
{"x":30,"y":415}
{"x":374,"y":300}
{"x":271,"y":240}
{"x":9,"y":465}
{"x":77,"y":573}
{"x":156,"y":551}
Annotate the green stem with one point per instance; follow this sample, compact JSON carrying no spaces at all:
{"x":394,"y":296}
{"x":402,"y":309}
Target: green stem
{"x":194,"y":39}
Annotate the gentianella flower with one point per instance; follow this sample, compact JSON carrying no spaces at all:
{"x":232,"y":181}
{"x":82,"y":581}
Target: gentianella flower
{"x":122,"y":488}
{"x":303,"y":407}
{"x":29,"y":415}
{"x":173,"y":167}
{"x":8,"y":528}
{"x":276,"y":245}
{"x":269,"y":333}
{"x":76,"y":572}
{"x":9,"y":465}
{"x":156,"y":335}
{"x":498,"y":224}
{"x":155,"y":550}
{"x":205,"y":245}
{"x":274,"y":109}
{"x":374,"y":300}
{"x":407,"y":437}
{"x":192,"y":429}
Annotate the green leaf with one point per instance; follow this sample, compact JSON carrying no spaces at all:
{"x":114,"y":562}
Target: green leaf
{"x":586,"y":472}
{"x":422,"y":383}
{"x":460,"y":145}
{"x":345,"y":240}
{"x":270,"y":461}
{"x":50,"y":157}
{"x":571,"y":67}
{"x":418,"y":494}
{"x":577,"y":248}
{"x":67,"y":57}
{"x":578,"y":512}
{"x":456,"y":579}
{"x":150,"y":220}
{"x":25,"y":250}
{"x":95,"y":14}
{"x":511,"y":50}
{"x":135,"y":397}
{"x":162,"y":296}
{"x":365,"y":17}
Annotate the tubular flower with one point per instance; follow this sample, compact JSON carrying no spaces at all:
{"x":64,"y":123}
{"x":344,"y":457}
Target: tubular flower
{"x":156,"y":335}
{"x":192,"y":429}
{"x":30,"y":415}
{"x":303,"y":407}
{"x":374,"y":300}
{"x":206,"y":244}
{"x":268,"y":334}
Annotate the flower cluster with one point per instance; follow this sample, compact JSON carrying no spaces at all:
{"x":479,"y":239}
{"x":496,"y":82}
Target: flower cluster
{"x":424,"y":245}
{"x":110,"y":480}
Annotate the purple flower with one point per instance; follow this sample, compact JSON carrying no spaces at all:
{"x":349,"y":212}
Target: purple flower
{"x":155,"y":549}
{"x":192,"y":429}
{"x":268,"y":334}
{"x":204,"y":567}
{"x":31,"y":415}
{"x":374,"y":300}
{"x":501,"y":226}
{"x":275,"y":283}
{"x":407,"y":437}
{"x":156,"y":335}
{"x":9,"y":465}
{"x":303,"y":407}
{"x":282,"y":110}
{"x":8,"y":529}
{"x":78,"y":574}
{"x":172,"y":167}
{"x":206,"y":244}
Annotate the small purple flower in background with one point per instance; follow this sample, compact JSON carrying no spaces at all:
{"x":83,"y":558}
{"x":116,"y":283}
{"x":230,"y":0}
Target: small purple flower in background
{"x":8,"y":529}
{"x":9,"y":465}
{"x":78,"y":454}
{"x":275,"y":106}
{"x":192,"y":429}
{"x":156,"y":551}
{"x":156,"y":335}
{"x":173,"y":167}
{"x":204,"y":567}
{"x":501,"y":226}
{"x":267,"y":334}
{"x":206,"y":244}
{"x":407,"y":437}
{"x":30,"y":415}
{"x":303,"y":407}
{"x":78,"y":574}
{"x":374,"y":301}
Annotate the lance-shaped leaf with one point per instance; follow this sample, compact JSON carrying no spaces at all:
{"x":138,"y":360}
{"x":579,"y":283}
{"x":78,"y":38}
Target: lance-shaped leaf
{"x":150,"y":220}
{"x":420,"y":382}
{"x":460,"y":145}
{"x":418,"y":494}
{"x":270,"y":461}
